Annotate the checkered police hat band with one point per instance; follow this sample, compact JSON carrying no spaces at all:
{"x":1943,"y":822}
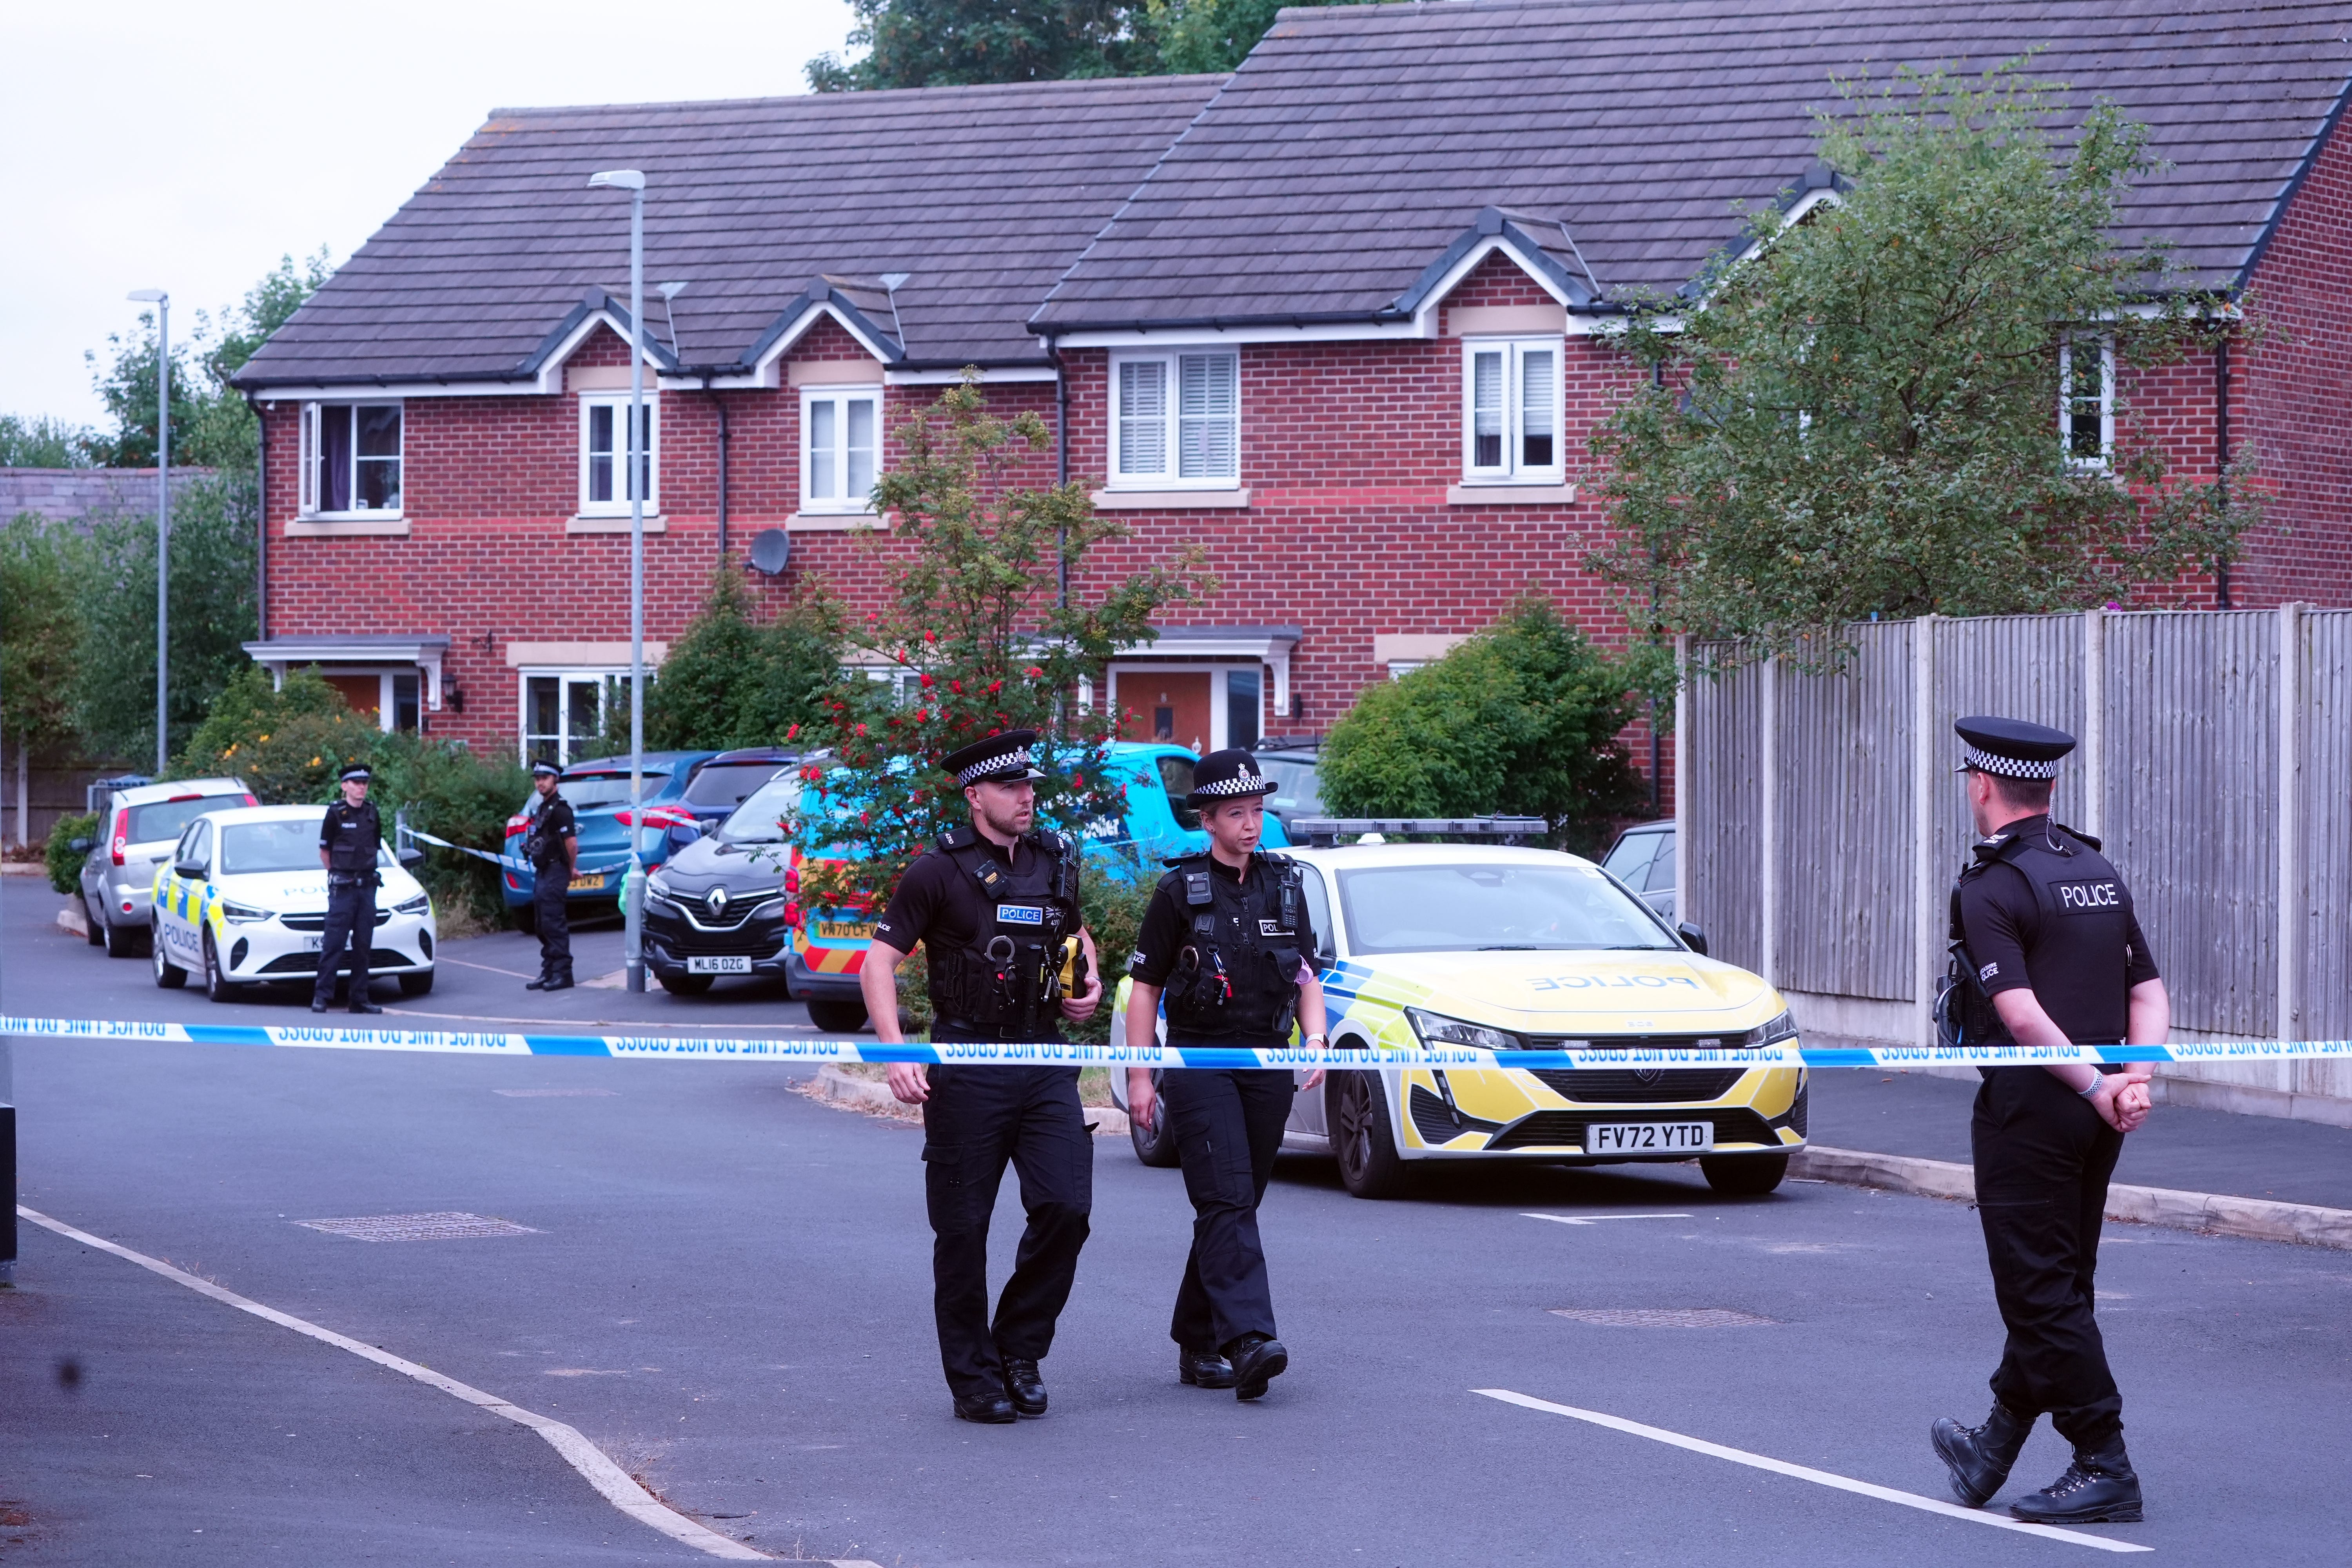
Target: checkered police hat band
{"x":2008,"y":767}
{"x":1240,"y":783}
{"x":980,"y":770}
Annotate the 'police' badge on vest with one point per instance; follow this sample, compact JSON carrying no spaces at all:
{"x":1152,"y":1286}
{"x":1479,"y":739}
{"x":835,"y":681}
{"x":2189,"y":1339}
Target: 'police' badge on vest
{"x":1021,"y":914}
{"x":1271,"y":928}
{"x":2087,"y":897}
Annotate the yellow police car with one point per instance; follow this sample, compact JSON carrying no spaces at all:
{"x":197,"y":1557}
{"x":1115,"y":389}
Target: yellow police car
{"x":1509,"y":949}
{"x":242,"y":901}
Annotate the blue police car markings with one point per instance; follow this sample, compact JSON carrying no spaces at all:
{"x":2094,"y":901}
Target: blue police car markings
{"x":1021,"y":914}
{"x":1606,"y":982}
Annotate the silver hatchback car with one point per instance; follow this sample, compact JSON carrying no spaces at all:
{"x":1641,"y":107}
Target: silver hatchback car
{"x":136,"y":832}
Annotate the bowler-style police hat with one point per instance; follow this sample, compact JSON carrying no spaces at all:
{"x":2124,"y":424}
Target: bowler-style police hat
{"x":1000,"y":759}
{"x":1229,"y":775}
{"x":543,"y":769}
{"x":2011,"y":748}
{"x":356,"y":770}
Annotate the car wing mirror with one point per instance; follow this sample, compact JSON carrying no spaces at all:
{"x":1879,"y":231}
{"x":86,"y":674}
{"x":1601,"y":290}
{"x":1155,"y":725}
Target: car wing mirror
{"x":1694,"y":936}
{"x":79,"y":846}
{"x":191,"y":869}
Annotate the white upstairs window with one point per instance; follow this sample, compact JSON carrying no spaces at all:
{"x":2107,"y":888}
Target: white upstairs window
{"x":1176,"y":420}
{"x":841,"y":431}
{"x":2087,"y":398}
{"x":605,"y":467}
{"x":350,"y":460}
{"x":1511,"y":397}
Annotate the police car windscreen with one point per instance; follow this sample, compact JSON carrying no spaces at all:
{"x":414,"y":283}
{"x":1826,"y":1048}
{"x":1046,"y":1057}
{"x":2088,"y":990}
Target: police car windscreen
{"x":249,"y":846}
{"x":755,"y":821}
{"x":590,"y":791}
{"x":1475,"y":908}
{"x":729,"y":784}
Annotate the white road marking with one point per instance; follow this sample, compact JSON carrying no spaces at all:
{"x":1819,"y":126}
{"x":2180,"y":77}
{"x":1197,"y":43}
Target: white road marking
{"x":1806,"y":1473}
{"x":1597,"y":1219}
{"x":601,"y":1472}
{"x":485,"y":968}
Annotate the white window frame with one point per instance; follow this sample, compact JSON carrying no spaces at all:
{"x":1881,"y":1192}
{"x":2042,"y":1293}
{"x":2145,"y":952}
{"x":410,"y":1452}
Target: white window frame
{"x":1171,"y":420}
{"x":619,"y":403}
{"x":613,"y":682}
{"x":1510,"y":470}
{"x":313,"y":452}
{"x":2067,"y":347}
{"x":844,"y":505}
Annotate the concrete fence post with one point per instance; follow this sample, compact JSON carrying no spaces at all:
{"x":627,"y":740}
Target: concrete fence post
{"x":2290,"y":838}
{"x":1769,"y":839}
{"x":1683,"y":846}
{"x":2094,"y":722}
{"x":1926,"y":901}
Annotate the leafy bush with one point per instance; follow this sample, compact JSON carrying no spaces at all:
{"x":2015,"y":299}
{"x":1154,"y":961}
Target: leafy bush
{"x":731,"y":680}
{"x":287,"y":743}
{"x":452,"y":793}
{"x":1522,"y":719}
{"x":64,"y":859}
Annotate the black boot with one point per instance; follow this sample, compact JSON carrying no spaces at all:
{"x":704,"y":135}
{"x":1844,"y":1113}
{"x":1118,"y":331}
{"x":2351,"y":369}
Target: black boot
{"x":1026,"y":1387}
{"x":1203,"y":1369}
{"x":1980,"y":1456}
{"x":560,"y":980}
{"x":2098,"y":1487}
{"x":988,"y":1409}
{"x":540,"y":983}
{"x":1258,"y":1360}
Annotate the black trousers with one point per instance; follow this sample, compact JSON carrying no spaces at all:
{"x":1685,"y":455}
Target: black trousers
{"x":1228,"y":1128}
{"x":550,"y":889}
{"x":977,"y":1119}
{"x":350,"y":918}
{"x":2042,"y":1161}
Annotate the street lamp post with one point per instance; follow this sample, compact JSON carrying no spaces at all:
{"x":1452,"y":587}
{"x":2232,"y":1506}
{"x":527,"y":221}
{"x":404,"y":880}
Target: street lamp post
{"x":633,"y":898}
{"x":162,"y":303}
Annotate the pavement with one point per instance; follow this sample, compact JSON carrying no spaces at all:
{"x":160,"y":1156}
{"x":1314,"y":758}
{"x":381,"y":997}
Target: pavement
{"x":724,"y":1284}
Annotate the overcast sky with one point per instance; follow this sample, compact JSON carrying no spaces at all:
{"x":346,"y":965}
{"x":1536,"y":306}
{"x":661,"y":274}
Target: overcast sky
{"x":188,"y":146}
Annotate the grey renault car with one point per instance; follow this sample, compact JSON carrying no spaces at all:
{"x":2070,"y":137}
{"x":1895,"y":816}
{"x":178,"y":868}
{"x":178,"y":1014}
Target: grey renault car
{"x":136,"y":831}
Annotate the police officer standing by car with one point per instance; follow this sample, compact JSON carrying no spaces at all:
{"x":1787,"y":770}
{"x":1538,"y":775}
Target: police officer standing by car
{"x":552,"y":847}
{"x":1228,"y":943}
{"x":350,"y":836}
{"x":2046,"y":952}
{"x":994,"y":907}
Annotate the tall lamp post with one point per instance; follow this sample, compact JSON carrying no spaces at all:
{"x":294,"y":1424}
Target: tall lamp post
{"x":162,"y":303}
{"x":633,"y":896}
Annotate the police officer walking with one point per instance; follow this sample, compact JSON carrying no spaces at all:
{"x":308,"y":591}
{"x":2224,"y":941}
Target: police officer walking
{"x":553,"y":846}
{"x":2046,"y":952}
{"x":1228,"y":944}
{"x":996,"y":908}
{"x":351,"y":835}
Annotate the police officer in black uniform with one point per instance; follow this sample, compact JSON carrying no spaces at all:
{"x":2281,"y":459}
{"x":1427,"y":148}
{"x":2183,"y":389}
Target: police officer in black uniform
{"x":2046,"y":952}
{"x":1228,"y":944}
{"x":350,"y":836}
{"x":553,"y":846}
{"x":994,"y":907}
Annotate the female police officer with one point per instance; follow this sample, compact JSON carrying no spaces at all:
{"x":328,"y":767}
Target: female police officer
{"x":2047,"y":953}
{"x":1227,"y":943}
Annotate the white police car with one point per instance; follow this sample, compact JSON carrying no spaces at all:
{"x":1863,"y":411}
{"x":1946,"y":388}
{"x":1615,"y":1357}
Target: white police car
{"x":242,"y":900}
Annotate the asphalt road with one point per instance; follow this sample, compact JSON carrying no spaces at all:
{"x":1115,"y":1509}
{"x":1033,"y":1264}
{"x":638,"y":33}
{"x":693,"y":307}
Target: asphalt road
{"x":725,"y":1285}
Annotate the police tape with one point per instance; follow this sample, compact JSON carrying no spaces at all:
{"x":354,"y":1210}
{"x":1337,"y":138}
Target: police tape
{"x":1056,"y":1053}
{"x":511,"y":863}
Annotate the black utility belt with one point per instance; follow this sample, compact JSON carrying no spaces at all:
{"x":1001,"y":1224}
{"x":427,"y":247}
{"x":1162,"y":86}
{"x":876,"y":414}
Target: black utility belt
{"x":988,"y":1035}
{"x":349,"y":879}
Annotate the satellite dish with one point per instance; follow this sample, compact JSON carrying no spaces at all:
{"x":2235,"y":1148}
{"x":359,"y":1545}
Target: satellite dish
{"x":770,"y":548}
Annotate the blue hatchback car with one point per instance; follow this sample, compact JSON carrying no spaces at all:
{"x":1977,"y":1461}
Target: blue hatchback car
{"x":598,"y":789}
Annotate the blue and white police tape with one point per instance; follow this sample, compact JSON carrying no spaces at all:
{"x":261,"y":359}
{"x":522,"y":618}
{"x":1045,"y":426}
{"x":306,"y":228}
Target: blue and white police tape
{"x":510,"y":862}
{"x":1055,"y":1053}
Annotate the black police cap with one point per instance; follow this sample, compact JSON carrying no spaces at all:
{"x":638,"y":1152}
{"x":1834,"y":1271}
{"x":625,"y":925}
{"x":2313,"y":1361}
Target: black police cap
{"x":356,"y":770}
{"x":1001,"y":759}
{"x":2011,"y":748}
{"x":1229,"y":775}
{"x":545,"y":769}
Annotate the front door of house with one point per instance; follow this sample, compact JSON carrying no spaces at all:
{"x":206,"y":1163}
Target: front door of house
{"x":1170,"y":706}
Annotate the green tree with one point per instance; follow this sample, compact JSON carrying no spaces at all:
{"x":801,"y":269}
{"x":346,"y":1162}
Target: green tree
{"x":212,"y":589}
{"x":39,"y":560}
{"x":288,"y":743}
{"x":42,"y":442}
{"x":733,"y":680}
{"x":973,"y":613}
{"x":1520,"y":720}
{"x":950,"y":43}
{"x":1861,"y":418}
{"x":211,"y":425}
{"x":457,"y":793}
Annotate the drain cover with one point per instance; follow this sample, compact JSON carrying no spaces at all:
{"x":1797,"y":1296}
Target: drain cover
{"x":418,"y":1227}
{"x":1663,"y":1317}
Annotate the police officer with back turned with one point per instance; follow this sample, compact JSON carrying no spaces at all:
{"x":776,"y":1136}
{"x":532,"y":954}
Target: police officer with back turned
{"x":552,"y":847}
{"x":1228,"y":944}
{"x":350,"y":836}
{"x":2046,"y":952}
{"x":996,"y":908}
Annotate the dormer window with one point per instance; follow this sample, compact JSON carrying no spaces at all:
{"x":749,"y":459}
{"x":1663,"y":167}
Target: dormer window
{"x":1511,"y":399}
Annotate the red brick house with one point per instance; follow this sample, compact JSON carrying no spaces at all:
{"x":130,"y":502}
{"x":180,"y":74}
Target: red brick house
{"x":1333,"y":318}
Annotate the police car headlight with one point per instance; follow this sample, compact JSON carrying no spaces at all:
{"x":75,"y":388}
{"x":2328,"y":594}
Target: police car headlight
{"x":418,"y":905}
{"x":1437,"y":1029}
{"x":1783,"y":1027}
{"x":244,"y":914}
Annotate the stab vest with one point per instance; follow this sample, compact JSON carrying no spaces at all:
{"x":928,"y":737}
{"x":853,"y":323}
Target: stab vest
{"x":2084,"y":933}
{"x":1010,"y":976}
{"x":1238,"y":972}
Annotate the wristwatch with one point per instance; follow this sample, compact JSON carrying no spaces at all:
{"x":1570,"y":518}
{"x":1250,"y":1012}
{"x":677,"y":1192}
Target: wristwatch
{"x":1315,"y":1042}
